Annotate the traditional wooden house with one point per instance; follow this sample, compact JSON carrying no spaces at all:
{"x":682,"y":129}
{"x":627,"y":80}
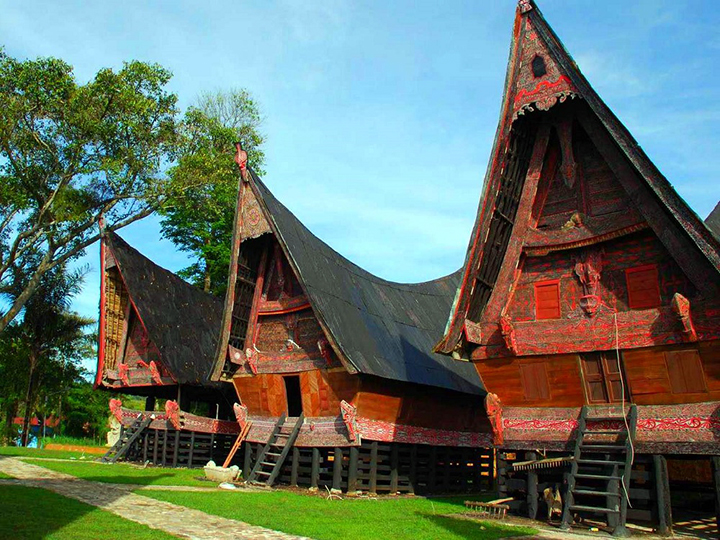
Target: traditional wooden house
{"x":333,"y":366}
{"x":589,"y":303}
{"x":157,"y":339}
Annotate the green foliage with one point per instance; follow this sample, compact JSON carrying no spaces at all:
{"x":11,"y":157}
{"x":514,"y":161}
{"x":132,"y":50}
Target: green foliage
{"x":71,"y":153}
{"x":85,"y":412}
{"x":199,"y":219}
{"x":35,"y":514}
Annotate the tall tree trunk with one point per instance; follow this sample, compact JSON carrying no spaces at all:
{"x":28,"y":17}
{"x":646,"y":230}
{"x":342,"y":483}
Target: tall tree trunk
{"x":206,"y":286}
{"x":29,"y":395}
{"x":10,"y":413}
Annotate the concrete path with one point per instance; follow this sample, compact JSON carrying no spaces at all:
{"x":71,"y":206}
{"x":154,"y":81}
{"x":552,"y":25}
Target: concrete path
{"x":171,"y":518}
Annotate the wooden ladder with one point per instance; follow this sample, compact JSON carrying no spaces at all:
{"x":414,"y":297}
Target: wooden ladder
{"x":271,"y":458}
{"x":599,"y":479}
{"x":127,"y":438}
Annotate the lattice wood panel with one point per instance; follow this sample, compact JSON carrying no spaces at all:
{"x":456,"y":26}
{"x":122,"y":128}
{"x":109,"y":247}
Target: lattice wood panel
{"x":116,"y":301}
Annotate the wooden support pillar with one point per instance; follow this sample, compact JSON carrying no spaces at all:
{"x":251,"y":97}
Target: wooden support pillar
{"x":615,"y":486}
{"x":337,"y":469}
{"x":175,"y":449}
{"x":433,"y":469}
{"x":446,"y":469}
{"x":146,"y":436}
{"x":373,"y":466}
{"x":247,"y":459}
{"x":150,"y":403}
{"x":212,"y":446}
{"x":155,"y":447}
{"x":413,"y":467}
{"x":532,"y":487}
{"x":662,"y":491}
{"x":192,"y":450}
{"x":716,"y":475}
{"x":501,"y":472}
{"x":294,"y":466}
{"x":393,"y":468}
{"x":164,"y":448}
{"x":315,"y":469}
{"x":353,"y":470}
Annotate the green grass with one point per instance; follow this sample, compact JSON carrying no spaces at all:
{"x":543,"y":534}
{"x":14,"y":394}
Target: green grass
{"x":122,"y":473}
{"x":4,"y":476}
{"x":19,"y":451}
{"x":351,"y":519}
{"x":34,"y":514}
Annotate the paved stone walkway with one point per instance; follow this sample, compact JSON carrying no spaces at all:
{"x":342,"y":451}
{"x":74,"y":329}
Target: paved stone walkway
{"x":171,"y":518}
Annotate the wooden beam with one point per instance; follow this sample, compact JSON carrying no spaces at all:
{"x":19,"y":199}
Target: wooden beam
{"x":716,"y":475}
{"x":337,"y":468}
{"x":413,"y":467}
{"x":532,"y":487}
{"x":247,"y":459}
{"x":373,"y":466}
{"x":175,"y":450}
{"x":192,"y":450}
{"x":393,"y":468}
{"x":662,"y":490}
{"x":315,"y":469}
{"x":353,"y":469}
{"x":294,"y":466}
{"x":432,"y":465}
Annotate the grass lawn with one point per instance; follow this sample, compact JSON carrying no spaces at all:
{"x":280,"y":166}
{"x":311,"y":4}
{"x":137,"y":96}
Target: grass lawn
{"x":122,"y":473}
{"x":34,"y":514}
{"x":4,"y":476}
{"x":19,"y":451}
{"x":350,"y":519}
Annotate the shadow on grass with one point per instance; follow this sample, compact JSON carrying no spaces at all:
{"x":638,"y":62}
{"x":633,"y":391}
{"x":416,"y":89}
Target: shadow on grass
{"x":475,"y":529}
{"x":32,"y":513}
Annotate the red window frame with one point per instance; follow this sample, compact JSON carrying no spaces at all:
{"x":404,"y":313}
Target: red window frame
{"x":643,"y":298}
{"x":540,"y":284}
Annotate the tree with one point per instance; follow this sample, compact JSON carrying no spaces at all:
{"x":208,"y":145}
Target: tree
{"x":72,"y":153}
{"x":50,"y":335}
{"x":200,"y":221}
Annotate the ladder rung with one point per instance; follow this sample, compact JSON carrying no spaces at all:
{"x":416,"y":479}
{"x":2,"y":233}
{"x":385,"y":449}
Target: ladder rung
{"x":597,"y":509}
{"x":258,"y":473}
{"x":604,"y":432}
{"x":596,"y":493}
{"x":597,"y":476}
{"x":603,"y":447}
{"x":270,"y":463}
{"x":273,"y":454}
{"x":600,"y":462}
{"x":605,"y":419}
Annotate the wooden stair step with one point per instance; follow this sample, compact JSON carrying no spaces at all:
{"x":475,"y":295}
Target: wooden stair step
{"x":264,"y":473}
{"x":599,"y":462}
{"x":604,"y":432}
{"x":605,"y":419}
{"x":268,"y":463}
{"x":273,"y":454}
{"x":595,"y":493}
{"x":597,"y":476}
{"x":603,"y":447}
{"x":598,"y":509}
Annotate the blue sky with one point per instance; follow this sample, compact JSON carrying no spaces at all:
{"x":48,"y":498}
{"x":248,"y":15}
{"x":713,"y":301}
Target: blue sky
{"x":380,"y":115}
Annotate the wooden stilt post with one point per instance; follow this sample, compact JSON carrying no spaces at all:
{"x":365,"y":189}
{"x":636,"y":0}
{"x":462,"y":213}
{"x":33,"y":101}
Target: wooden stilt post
{"x":146,"y":435}
{"x":716,"y":475}
{"x":532,"y":487}
{"x":662,"y":487}
{"x":614,"y":520}
{"x":155,"y":447}
{"x":433,"y":469}
{"x":413,"y":467}
{"x":353,"y":470}
{"x":373,"y":466}
{"x":294,"y":466}
{"x":150,"y":403}
{"x":247,"y":459}
{"x":175,"y":449}
{"x":393,"y":468}
{"x":192,"y":450}
{"x":164,"y":448}
{"x":315,"y":469}
{"x":337,"y":469}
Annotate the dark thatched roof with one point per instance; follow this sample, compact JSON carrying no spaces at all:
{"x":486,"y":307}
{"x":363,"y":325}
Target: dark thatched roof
{"x":181,"y":320}
{"x":382,"y":328}
{"x":713,"y":220}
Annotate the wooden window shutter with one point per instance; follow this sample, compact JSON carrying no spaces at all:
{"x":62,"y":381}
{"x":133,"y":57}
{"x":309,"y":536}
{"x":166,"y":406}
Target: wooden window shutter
{"x":685,"y":371}
{"x":643,"y":288}
{"x":534,"y":380}
{"x":547,"y":300}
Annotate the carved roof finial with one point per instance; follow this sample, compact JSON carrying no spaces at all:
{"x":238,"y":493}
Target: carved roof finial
{"x":241,"y":158}
{"x":525,"y":5}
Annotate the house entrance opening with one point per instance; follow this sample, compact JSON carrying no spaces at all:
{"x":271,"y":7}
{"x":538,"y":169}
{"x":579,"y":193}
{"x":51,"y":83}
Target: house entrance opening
{"x":293,"y":395}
